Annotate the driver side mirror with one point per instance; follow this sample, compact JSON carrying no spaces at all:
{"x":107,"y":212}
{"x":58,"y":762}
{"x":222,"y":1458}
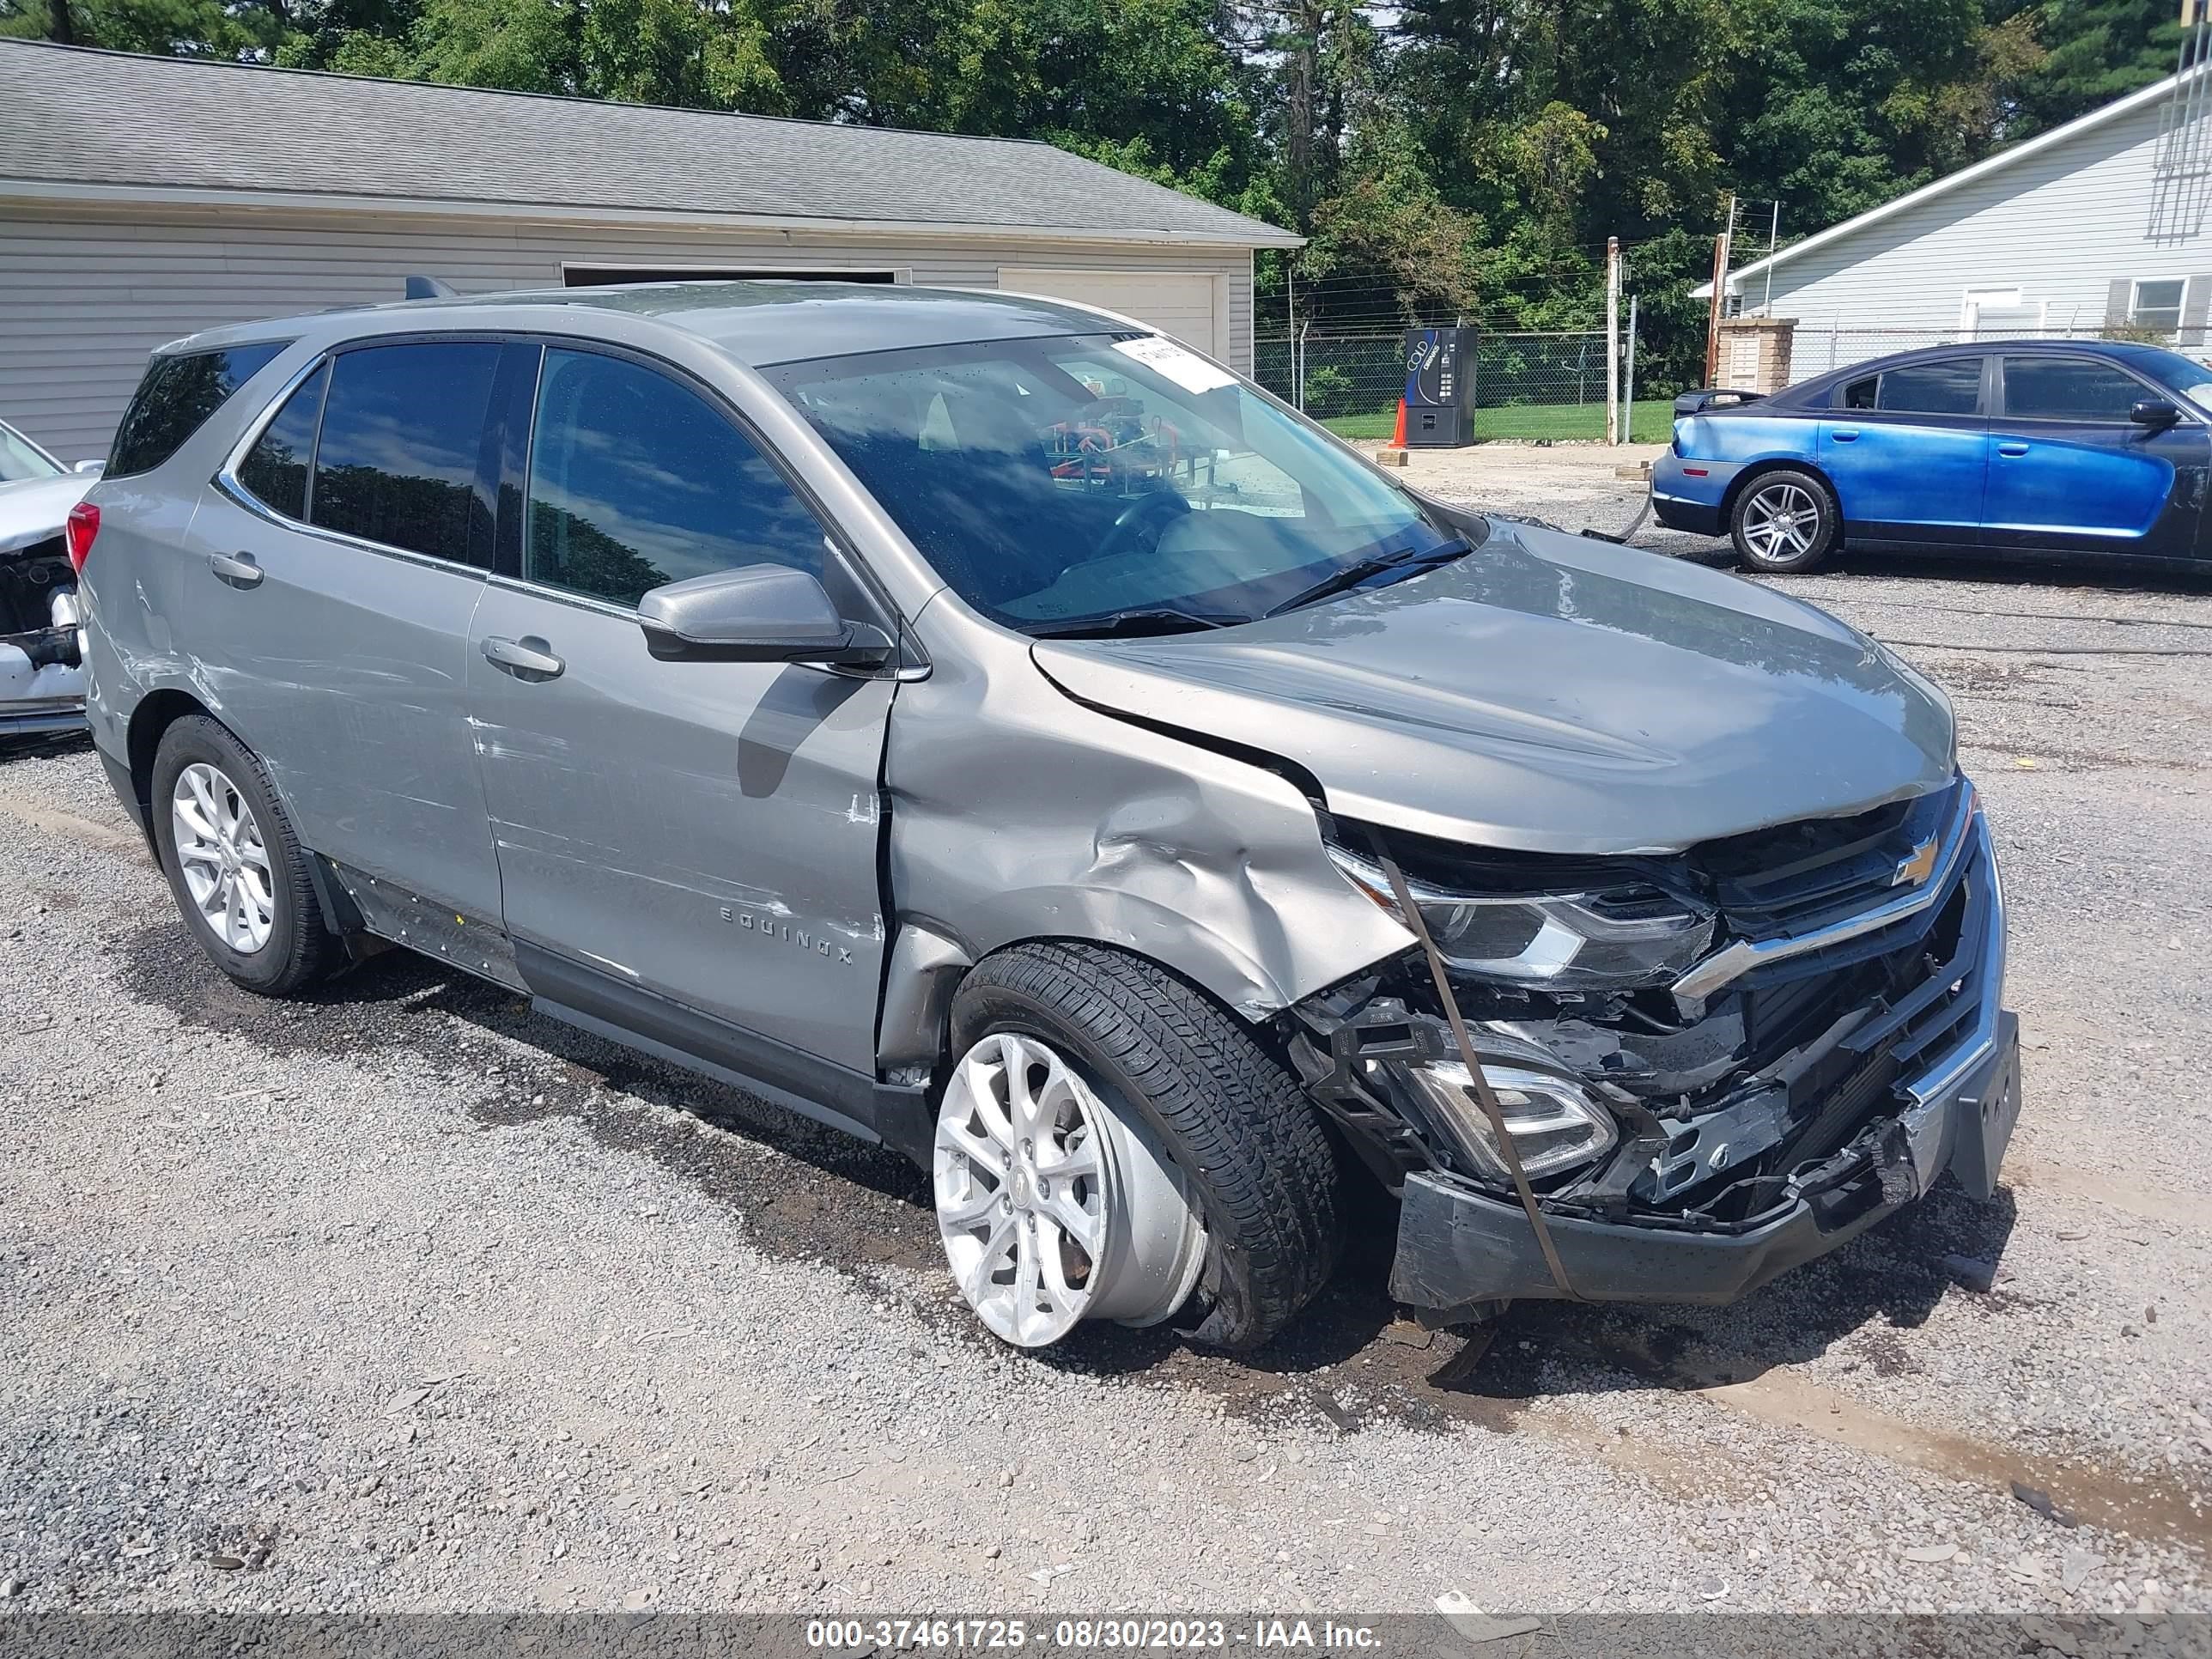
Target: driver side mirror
{"x":758,"y":613}
{"x":2156,"y":413}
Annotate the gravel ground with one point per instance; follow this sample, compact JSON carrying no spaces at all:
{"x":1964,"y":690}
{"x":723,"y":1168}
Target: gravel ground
{"x":405,"y":1299}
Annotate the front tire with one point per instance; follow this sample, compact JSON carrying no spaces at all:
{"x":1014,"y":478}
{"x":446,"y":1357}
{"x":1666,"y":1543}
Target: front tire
{"x":1189,"y":1123}
{"x":238,"y":872}
{"x":1785,"y":523}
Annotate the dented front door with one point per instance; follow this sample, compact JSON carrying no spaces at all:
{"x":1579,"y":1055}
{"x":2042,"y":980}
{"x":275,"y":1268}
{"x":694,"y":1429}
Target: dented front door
{"x":703,"y":831}
{"x":687,"y":831}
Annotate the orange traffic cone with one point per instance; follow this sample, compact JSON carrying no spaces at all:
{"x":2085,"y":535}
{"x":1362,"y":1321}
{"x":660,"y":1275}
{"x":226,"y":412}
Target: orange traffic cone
{"x":1394,"y":453}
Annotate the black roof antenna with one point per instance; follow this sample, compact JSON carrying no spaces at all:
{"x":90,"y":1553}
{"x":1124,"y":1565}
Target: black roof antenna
{"x":431,"y":287}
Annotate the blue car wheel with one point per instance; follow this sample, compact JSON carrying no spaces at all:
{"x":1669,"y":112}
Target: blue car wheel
{"x":1784,"y":521}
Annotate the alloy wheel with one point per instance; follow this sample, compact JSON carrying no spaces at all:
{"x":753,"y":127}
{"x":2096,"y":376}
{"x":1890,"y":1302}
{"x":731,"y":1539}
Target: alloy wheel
{"x":224,"y":860}
{"x":1782,"y":522}
{"x":1052,"y":1209}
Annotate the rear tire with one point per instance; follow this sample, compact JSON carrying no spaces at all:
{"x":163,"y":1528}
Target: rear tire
{"x":1785,"y":523}
{"x":1248,"y":1147}
{"x":239,"y":877}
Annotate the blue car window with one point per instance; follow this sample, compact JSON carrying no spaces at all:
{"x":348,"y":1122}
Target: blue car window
{"x":1859,"y":394}
{"x":2068,"y":389}
{"x":1945,"y":388}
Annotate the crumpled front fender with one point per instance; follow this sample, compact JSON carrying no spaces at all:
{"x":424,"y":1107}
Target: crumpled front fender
{"x":1018,"y":813}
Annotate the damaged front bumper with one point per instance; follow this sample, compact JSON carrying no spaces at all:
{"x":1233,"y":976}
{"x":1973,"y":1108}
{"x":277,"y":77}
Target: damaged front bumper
{"x":1907,"y":1067}
{"x":41,"y":646}
{"x":1460,"y":1248}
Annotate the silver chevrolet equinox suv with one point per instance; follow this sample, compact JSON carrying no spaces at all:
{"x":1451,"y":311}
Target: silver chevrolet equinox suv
{"x":987,"y":727}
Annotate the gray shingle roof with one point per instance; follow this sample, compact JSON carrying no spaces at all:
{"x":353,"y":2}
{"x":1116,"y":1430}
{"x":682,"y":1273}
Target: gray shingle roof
{"x":112,"y":118}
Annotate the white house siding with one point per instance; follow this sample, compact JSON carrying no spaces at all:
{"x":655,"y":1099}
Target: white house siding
{"x":85,"y":294}
{"x":2064,"y":226}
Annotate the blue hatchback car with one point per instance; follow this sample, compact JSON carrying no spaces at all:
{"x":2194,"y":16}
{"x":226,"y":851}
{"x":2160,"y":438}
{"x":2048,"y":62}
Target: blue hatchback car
{"x":2039,"y":449}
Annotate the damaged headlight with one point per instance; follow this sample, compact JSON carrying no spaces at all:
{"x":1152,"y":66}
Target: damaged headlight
{"x":1610,"y":939}
{"x":1554,"y":1124}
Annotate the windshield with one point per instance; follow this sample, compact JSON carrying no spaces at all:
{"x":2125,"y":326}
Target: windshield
{"x":21,"y":459}
{"x":1105,"y":484}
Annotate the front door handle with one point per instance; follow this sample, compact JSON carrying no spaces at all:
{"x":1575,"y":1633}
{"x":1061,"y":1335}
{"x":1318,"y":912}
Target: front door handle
{"x":523,"y":661}
{"x":240,"y":572}
{"x":2011,"y":449}
{"x":1848,"y":436}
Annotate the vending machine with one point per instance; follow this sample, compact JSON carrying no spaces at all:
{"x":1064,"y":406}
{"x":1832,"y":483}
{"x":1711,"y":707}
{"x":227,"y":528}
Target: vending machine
{"x":1439,"y":387}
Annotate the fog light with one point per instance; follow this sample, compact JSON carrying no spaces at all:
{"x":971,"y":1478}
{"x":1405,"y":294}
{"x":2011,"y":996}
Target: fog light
{"x":1555,"y":1126}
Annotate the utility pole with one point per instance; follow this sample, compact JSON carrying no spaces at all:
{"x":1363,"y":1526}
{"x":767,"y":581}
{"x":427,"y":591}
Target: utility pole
{"x":1720,"y":284}
{"x":1290,"y":330}
{"x":1613,"y":339}
{"x":1628,"y":390}
{"x":1773,"y":241}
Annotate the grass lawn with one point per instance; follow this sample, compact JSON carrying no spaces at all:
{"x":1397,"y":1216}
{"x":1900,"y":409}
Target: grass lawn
{"x":1651,"y":425}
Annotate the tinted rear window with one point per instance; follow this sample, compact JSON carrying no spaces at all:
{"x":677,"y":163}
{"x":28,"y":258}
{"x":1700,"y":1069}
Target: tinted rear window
{"x":276,"y":468}
{"x":403,"y":429}
{"x":1952,"y":388}
{"x":175,"y":399}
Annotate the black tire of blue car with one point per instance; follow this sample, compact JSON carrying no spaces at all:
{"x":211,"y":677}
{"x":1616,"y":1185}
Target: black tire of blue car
{"x":300,"y":951}
{"x":1234,"y":1119}
{"x":1784,"y":522}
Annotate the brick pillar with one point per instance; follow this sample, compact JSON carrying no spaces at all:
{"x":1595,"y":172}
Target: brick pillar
{"x":1755,"y":352}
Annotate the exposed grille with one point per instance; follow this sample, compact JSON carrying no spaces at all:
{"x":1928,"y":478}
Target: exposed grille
{"x":1935,"y":1013}
{"x":1799,"y":877}
{"x":1919,"y":976}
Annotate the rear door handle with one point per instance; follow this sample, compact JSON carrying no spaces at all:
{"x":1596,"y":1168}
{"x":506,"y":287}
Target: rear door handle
{"x":1850,"y":436}
{"x":523,"y":661}
{"x":240,"y":572}
{"x":2011,"y":449}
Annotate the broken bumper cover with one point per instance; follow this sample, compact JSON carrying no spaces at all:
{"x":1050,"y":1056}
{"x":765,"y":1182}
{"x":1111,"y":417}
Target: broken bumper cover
{"x":42,"y":671}
{"x":46,"y":697}
{"x":1459,"y":1246}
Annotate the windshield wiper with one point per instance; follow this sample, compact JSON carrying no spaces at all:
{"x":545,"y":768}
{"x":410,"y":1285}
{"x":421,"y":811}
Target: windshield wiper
{"x":1360,"y":570}
{"x":1159,"y":619}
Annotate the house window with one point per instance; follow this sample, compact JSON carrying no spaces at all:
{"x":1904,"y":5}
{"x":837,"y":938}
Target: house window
{"x":2157,"y":305}
{"x":1996,"y":313}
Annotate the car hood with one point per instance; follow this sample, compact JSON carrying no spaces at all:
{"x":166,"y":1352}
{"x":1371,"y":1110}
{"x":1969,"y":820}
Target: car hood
{"x":32,"y":509}
{"x":1551,"y":693}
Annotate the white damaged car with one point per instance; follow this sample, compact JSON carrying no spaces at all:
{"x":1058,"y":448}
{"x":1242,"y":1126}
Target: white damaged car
{"x":41,"y":643}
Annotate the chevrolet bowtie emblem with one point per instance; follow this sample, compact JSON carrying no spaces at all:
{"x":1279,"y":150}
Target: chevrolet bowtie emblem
{"x":1911,"y":871}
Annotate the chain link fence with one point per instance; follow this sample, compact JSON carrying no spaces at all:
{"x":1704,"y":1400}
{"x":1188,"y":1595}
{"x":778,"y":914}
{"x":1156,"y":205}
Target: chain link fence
{"x":1527,"y":385}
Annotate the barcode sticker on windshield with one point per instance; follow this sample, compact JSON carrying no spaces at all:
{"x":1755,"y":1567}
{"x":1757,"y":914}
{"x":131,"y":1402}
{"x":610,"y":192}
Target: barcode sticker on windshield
{"x":1186,"y":368}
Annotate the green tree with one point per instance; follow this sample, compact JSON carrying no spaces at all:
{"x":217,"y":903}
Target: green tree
{"x":2094,"y":50}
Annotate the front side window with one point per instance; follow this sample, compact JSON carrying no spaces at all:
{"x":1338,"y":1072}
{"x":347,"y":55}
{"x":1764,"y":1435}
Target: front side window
{"x":2068,"y":389}
{"x":2157,"y":305}
{"x":636,"y":481}
{"x":175,"y":399}
{"x":403,"y":430}
{"x":276,"y":468}
{"x":1097,"y":484}
{"x":1945,"y":388}
{"x":2176,"y":373}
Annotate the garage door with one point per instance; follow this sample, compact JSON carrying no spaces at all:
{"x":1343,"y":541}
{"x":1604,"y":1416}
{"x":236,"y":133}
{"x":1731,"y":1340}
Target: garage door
{"x":1180,"y":305}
